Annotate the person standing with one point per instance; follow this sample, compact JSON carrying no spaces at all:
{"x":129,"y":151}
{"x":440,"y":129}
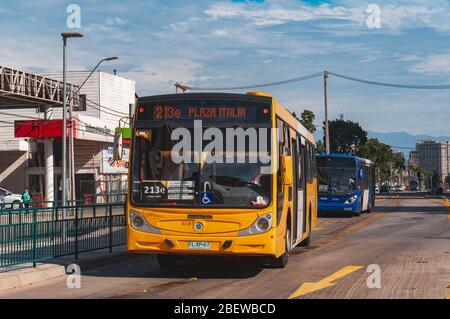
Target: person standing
{"x":26,"y":197}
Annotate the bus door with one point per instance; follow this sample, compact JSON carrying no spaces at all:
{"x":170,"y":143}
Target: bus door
{"x":299,"y":186}
{"x":304,"y":169}
{"x":363,"y":178}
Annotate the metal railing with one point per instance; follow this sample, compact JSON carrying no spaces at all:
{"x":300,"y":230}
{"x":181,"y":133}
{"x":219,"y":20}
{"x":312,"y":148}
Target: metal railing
{"x":31,"y":235}
{"x":87,"y":200}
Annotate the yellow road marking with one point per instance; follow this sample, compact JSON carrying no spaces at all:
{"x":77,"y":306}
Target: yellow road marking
{"x":319,"y":228}
{"x":446,"y":203}
{"x":309,"y":287}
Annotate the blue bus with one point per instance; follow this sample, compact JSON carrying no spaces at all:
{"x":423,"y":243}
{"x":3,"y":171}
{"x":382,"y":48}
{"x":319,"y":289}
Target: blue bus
{"x":346,"y":183}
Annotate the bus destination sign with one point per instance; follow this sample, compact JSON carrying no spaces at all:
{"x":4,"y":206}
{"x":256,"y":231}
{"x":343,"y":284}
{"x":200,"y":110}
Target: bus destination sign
{"x":204,"y":110}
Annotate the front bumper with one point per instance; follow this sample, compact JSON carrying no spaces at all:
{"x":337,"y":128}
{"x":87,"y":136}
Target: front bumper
{"x":339,"y":207}
{"x":260,"y":244}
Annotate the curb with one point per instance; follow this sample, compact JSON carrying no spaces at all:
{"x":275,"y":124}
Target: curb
{"x":57,"y":268}
{"x":29,"y":276}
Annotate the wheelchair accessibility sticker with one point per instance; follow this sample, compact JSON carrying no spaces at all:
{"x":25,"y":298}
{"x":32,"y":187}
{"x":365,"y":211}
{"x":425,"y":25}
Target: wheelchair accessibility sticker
{"x":206,"y":198}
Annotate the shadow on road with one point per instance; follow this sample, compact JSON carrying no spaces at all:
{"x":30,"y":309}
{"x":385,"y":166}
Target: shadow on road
{"x":205,"y":267}
{"x":323,"y":214}
{"x":439,"y":210}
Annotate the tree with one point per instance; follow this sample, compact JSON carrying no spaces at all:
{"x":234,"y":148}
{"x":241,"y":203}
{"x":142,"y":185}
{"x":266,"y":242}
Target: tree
{"x":320,"y":147}
{"x":382,"y":155}
{"x":346,"y":136}
{"x":307,"y":119}
{"x":399,"y":162}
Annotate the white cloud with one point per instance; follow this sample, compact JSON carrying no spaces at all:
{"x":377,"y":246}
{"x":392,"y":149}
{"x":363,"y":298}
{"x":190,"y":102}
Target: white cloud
{"x":116,"y":21}
{"x":221,"y":33}
{"x":392,"y":16}
{"x":159,"y":75}
{"x":434,"y":64}
{"x":273,"y":15}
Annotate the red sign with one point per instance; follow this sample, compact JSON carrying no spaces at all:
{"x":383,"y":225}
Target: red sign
{"x":41,"y":128}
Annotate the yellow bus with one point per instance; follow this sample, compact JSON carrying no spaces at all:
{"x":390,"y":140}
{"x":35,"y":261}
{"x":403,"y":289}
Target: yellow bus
{"x":192,"y":193}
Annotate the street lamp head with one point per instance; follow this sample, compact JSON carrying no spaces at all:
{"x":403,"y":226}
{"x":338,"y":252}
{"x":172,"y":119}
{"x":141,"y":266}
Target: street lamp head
{"x":110,"y":58}
{"x":66,"y":35}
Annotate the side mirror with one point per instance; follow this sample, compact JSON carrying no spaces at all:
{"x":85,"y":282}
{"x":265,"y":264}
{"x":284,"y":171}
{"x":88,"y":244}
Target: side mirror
{"x":118,"y":144}
{"x":286,"y":170}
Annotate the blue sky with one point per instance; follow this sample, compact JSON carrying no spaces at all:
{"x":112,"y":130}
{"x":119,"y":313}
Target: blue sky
{"x":223,"y":43}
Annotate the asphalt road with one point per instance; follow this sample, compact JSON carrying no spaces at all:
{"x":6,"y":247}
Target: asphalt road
{"x":405,"y":240}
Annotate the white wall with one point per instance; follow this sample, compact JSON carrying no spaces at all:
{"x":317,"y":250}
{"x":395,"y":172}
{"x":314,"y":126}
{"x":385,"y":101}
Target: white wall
{"x":116,"y":93}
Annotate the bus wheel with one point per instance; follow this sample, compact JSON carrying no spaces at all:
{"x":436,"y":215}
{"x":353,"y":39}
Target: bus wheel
{"x":305,"y":242}
{"x":167,"y":261}
{"x":282,"y":261}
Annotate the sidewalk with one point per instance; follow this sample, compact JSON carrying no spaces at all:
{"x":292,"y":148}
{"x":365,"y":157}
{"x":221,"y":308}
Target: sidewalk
{"x":25,"y":274}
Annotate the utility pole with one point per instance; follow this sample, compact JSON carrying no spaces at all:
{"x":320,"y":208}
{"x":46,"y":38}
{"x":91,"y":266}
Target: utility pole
{"x":65,"y":35}
{"x":71,"y":154}
{"x":327,"y":127}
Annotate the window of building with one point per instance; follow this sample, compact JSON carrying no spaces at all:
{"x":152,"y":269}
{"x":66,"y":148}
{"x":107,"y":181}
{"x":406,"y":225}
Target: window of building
{"x":36,"y":157}
{"x":82,"y":104}
{"x":36,"y":185}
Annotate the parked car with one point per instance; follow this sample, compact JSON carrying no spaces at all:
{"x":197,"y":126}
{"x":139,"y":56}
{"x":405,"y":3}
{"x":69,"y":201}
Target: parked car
{"x":384,"y":189}
{"x":9,"y":200}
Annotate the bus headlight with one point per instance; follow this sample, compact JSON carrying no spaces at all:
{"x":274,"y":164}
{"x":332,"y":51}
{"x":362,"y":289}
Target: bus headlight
{"x":351,"y":200}
{"x":261,"y":225}
{"x":138,"y":222}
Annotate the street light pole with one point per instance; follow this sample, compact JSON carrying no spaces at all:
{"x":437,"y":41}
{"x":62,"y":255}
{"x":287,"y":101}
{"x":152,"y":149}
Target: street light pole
{"x":65,"y":36}
{"x":71,"y":139}
{"x":327,"y":127}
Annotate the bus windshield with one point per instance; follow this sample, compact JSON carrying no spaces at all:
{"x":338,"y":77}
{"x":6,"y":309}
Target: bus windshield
{"x":159,"y":181}
{"x":337,"y":176}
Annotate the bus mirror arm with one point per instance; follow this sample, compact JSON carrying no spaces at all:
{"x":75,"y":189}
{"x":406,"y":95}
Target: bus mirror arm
{"x":286,"y":169}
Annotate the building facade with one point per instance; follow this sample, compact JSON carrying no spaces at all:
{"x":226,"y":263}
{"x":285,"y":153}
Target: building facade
{"x":434,"y":157}
{"x":413,"y":160}
{"x":31,"y":148}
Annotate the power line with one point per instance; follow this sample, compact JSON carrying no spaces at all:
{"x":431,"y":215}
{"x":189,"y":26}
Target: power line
{"x":106,"y":108}
{"x":297,"y":79}
{"x":402,"y":86}
{"x":311,"y":76}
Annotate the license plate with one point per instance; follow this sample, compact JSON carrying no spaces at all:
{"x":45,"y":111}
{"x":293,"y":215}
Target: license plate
{"x":199,"y":245}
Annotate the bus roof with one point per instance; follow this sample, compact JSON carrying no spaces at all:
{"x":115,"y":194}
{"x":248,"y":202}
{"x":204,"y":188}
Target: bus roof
{"x":360,"y":160}
{"x":223,"y":96}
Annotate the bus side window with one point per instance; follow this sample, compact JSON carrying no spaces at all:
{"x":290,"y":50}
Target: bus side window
{"x":300,"y":163}
{"x":361,"y":182}
{"x":367,"y":176}
{"x":286,"y":140}
{"x":280,"y":142}
{"x":313,"y":161}
{"x":280,"y":191}
{"x":309,"y":163}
